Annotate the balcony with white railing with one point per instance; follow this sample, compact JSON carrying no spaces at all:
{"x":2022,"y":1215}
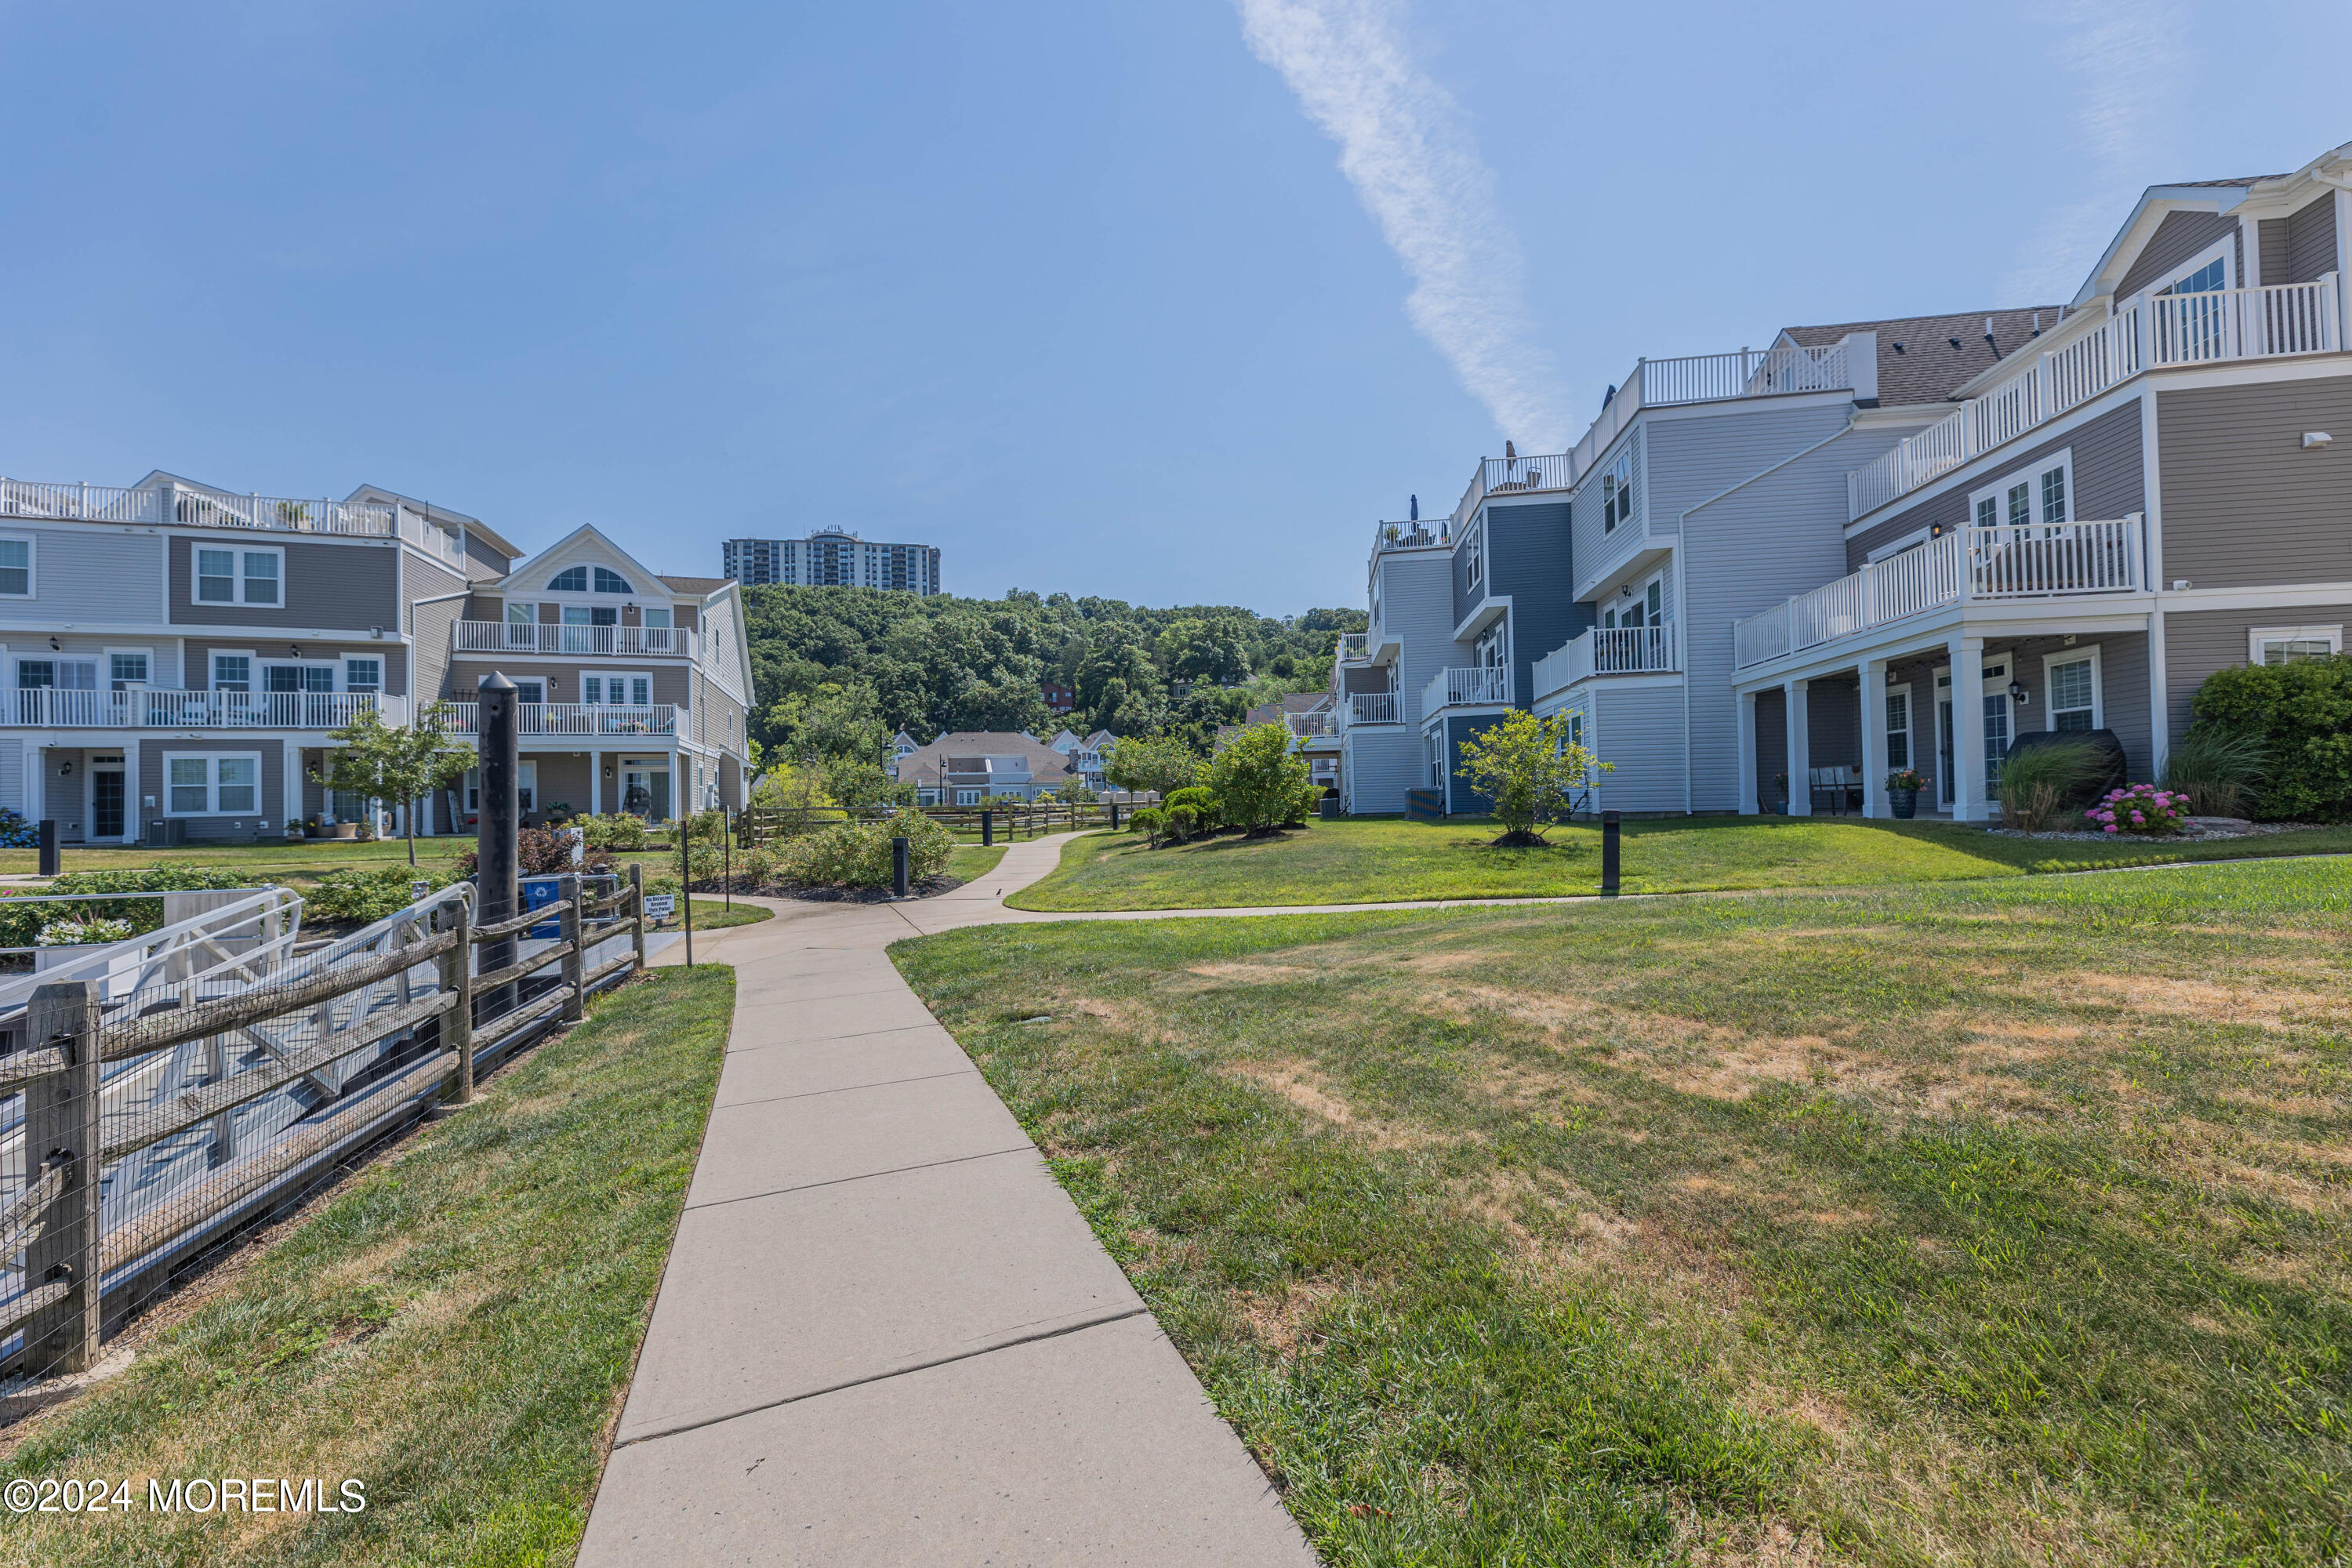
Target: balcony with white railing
{"x":1355,"y":647}
{"x":2067,"y":559}
{"x":1607,"y":650}
{"x":603,"y":642}
{"x":1372,"y":708}
{"x":588,"y":721}
{"x":1416,"y":533}
{"x":2146,"y":331}
{"x":1468,"y":686}
{"x":148,"y":708}
{"x":170,"y":505}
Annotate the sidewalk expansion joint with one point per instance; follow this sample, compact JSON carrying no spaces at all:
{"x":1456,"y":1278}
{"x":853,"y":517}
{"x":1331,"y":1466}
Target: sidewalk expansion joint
{"x":833,"y":1039}
{"x":1053,"y":1333}
{"x":844,"y":1089}
{"x":861,"y":1176}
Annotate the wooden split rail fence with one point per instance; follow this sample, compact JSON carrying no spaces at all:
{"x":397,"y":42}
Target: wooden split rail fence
{"x":969,"y":823}
{"x":155,"y":1123}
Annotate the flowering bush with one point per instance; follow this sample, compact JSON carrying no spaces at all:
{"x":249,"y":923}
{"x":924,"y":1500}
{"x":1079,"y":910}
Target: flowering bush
{"x":1908,"y":778}
{"x":15,"y":833}
{"x":82,"y":933}
{"x":2140,"y":808}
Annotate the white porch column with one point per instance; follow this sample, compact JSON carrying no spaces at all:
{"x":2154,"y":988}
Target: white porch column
{"x":37,"y":792}
{"x":676,"y":785}
{"x":595,"y":783}
{"x":134,"y":807}
{"x":1967,"y":656}
{"x":1747,"y":806}
{"x":1801,"y":751}
{"x":290,"y":753}
{"x":1874,"y":738}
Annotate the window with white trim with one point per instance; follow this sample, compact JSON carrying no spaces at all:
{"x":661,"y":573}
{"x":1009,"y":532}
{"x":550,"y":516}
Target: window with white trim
{"x":232,"y":672}
{"x":1474,"y":557}
{"x":288,"y":676}
{"x":611,"y":582}
{"x":571,"y":580}
{"x":127,"y":668}
{"x":240,"y":576}
{"x":609,"y":689}
{"x":2289,"y":644}
{"x":212,"y":783}
{"x":1899,"y":728}
{"x":60,"y":674}
{"x":2205,"y":274}
{"x":525,"y":787}
{"x":2040,"y":495}
{"x":2070,"y":686}
{"x":16,"y":568}
{"x":1617,"y":493}
{"x":362,"y":673}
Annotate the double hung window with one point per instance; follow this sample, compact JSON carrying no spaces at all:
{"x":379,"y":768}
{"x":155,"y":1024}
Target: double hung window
{"x":213,"y":785}
{"x":125,"y":671}
{"x":240,"y":576}
{"x":364,"y":675}
{"x":2039,"y":496}
{"x":16,"y":568}
{"x":2288,"y":644}
{"x":1617,"y":493}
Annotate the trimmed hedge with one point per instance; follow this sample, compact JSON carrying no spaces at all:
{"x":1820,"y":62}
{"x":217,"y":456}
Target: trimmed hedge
{"x":2301,"y":713}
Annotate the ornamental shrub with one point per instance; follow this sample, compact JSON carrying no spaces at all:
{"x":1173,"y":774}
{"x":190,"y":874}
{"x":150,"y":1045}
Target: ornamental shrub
{"x":1257,"y":779}
{"x":2141,"y":809}
{"x":2036,"y":782}
{"x":364,"y":897}
{"x":613,"y":830}
{"x":15,"y":833}
{"x":1180,"y":823}
{"x":1201,"y":801}
{"x":541,"y":852}
{"x":857,"y":854}
{"x":20,"y":927}
{"x":2218,"y":770}
{"x":86,"y":932}
{"x":2301,"y":715}
{"x":1151,"y":822}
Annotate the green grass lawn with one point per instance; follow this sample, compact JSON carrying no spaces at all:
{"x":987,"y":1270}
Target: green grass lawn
{"x":968,"y":862}
{"x":1993,"y":1223}
{"x":713,"y":914}
{"x":456,"y":1328}
{"x":1389,"y":861}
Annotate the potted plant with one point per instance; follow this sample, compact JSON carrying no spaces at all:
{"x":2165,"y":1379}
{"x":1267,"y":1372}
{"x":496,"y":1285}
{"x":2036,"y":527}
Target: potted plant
{"x":1780,"y":787}
{"x":1903,"y":787}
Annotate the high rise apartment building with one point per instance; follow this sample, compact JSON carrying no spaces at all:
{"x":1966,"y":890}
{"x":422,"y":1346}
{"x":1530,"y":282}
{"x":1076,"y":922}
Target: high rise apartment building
{"x":833,"y":557}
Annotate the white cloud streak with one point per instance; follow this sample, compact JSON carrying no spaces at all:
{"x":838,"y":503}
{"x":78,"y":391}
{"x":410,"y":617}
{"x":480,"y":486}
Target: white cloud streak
{"x":2128,"y":67}
{"x":1406,"y":147}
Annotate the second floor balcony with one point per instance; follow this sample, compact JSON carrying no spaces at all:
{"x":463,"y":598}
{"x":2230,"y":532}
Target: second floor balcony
{"x":1355,"y":646}
{"x":1372,"y":708}
{"x":592,"y":641}
{"x":2058,"y":560}
{"x":1470,"y":686}
{"x":587,"y":720}
{"x":147,"y":707}
{"x":1607,"y":650}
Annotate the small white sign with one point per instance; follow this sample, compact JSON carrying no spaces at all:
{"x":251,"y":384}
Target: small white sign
{"x":660,"y":906}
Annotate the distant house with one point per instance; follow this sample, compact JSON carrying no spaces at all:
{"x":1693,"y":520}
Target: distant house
{"x":1059,"y":698}
{"x":902,"y":744}
{"x":1313,"y":719}
{"x":971,"y":765}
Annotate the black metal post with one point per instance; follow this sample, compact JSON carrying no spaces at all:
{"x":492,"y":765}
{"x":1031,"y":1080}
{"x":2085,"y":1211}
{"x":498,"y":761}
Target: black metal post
{"x":898,"y":878}
{"x":987,"y":828}
{"x":499,"y":744}
{"x":686,"y":886}
{"x":1114,"y":816}
{"x":726,"y":863}
{"x":51,"y":857}
{"x":1609,"y":854}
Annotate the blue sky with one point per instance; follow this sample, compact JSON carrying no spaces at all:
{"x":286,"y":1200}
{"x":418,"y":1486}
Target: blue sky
{"x":1079,"y":293}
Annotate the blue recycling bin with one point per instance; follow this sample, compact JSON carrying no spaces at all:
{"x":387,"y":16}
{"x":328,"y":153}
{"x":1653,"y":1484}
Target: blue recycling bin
{"x":538,"y":892}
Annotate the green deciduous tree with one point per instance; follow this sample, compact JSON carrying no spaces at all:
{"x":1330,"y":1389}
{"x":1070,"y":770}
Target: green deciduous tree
{"x":1158,"y":763}
{"x":1257,"y":779}
{"x":1529,"y":768}
{"x":394,"y":762}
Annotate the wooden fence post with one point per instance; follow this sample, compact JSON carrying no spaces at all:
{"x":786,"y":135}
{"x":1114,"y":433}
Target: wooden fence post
{"x":62,"y":1124}
{"x":573,"y":929}
{"x":637,"y":913}
{"x":459,"y":976}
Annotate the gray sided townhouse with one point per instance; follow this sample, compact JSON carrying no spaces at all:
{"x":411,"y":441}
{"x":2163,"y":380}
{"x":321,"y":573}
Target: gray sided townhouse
{"x":1744,"y":545}
{"x":2159,"y":488}
{"x":176,"y":654}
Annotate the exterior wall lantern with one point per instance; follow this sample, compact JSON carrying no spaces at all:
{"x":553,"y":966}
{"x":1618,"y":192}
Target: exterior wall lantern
{"x":2017,"y":690}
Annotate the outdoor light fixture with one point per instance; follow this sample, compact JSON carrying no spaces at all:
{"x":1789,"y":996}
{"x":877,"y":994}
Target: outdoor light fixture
{"x":55,"y":646}
{"x":293,"y":652}
{"x":2017,"y":689}
{"x":2317,"y":438}
{"x":1891,"y":680}
{"x":65,"y":770}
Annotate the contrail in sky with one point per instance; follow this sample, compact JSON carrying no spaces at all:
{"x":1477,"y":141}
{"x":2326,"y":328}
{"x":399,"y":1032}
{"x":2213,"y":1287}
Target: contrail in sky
{"x":2128,"y":66}
{"x":1405,"y":146}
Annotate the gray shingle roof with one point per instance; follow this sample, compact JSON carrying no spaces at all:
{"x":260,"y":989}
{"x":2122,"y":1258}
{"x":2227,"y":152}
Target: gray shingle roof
{"x":1929,"y":369}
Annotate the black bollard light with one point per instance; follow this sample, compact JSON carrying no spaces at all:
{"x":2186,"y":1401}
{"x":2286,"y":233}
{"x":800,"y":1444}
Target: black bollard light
{"x":499,"y":743}
{"x":1608,"y":854}
{"x":51,"y":856}
{"x":987,"y":828}
{"x":899,"y":880}
{"x":1114,"y":816}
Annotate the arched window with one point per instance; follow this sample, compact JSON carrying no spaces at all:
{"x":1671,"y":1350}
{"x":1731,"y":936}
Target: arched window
{"x":611,"y":582}
{"x":571,"y":580}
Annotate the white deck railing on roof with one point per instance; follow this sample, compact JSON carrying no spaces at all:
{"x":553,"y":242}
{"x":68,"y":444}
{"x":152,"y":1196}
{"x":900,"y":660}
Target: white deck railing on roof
{"x":2060,"y":561}
{"x":158,"y":506}
{"x":2148,"y":331}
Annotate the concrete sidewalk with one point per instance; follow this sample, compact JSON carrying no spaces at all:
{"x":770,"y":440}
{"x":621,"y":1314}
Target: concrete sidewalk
{"x":886,"y":1335}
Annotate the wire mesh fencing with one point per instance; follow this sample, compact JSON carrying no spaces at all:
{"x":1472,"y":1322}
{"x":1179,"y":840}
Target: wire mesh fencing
{"x":150,"y":1109}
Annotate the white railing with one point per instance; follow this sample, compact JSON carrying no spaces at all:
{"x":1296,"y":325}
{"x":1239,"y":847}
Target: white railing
{"x":2058,"y":560}
{"x":1413,"y":535}
{"x":1372,"y":708}
{"x":1355,"y":645}
{"x":1606,"y":650}
{"x":589,"y":719}
{"x":1706,"y":378}
{"x":150,"y":708}
{"x":1468,"y":686}
{"x":1307,"y":726}
{"x":168,"y":504}
{"x":2145,"y":330}
{"x":1496,"y":476}
{"x":617,"y":642}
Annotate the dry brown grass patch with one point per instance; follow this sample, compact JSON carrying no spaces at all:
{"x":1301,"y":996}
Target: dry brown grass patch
{"x":1303,"y":1085}
{"x":2249,"y":1000}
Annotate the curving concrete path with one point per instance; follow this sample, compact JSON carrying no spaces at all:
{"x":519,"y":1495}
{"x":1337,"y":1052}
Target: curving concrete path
{"x":885,"y":1335}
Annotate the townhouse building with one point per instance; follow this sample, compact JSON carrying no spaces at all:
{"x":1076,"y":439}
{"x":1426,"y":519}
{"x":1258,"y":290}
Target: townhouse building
{"x":175,"y":654}
{"x":968,"y":766}
{"x":1759,"y":570}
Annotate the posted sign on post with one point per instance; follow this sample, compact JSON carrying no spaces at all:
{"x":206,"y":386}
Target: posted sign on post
{"x":661,"y":906}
